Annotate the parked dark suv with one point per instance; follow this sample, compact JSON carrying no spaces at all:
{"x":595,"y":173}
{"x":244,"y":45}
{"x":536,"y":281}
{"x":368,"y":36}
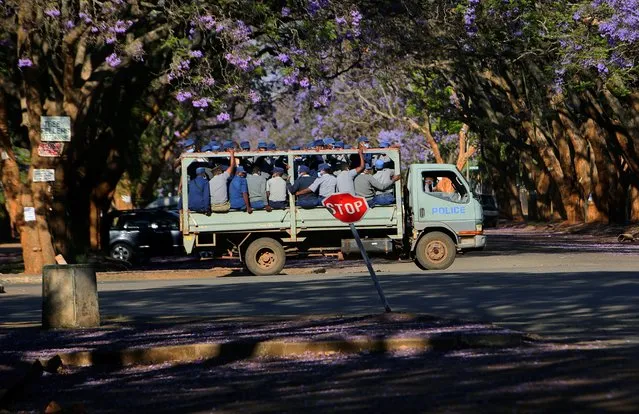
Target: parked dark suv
{"x":491,"y":212}
{"x":139,"y":234}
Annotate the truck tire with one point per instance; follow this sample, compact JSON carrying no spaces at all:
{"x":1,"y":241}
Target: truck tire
{"x":265,"y":257}
{"x":435,"y":251}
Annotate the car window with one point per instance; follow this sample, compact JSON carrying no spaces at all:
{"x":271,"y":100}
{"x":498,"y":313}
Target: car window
{"x":134,"y":223}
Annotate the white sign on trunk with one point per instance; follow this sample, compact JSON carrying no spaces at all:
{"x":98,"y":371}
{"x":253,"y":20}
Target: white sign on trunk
{"x":43,"y":176}
{"x":55,"y":128}
{"x":29,"y":214}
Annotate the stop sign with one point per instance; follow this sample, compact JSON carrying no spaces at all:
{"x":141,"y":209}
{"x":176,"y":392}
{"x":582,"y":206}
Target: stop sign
{"x":346,"y":207}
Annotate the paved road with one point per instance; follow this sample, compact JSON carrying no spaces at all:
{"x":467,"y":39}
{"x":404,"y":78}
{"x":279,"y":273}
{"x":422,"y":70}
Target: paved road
{"x":559,"y":286}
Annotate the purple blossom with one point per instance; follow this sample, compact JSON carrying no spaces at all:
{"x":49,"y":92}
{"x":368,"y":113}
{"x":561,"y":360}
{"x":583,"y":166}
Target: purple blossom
{"x":201,"y":103}
{"x":69,"y":24}
{"x":305,"y":83}
{"x":25,"y":63}
{"x":602,"y":68}
{"x":110,"y":40}
{"x":94,"y":29}
{"x":121,"y":26}
{"x":196,"y":54}
{"x":208,"y":21}
{"x":241,"y":32}
{"x":223,"y":117}
{"x":255,"y":97}
{"x":356,"y":17}
{"x":283,"y":57}
{"x":113,"y":60}
{"x":169,"y":114}
{"x":208,"y":81}
{"x":53,"y":13}
{"x":340,"y":20}
{"x":286,"y":12}
{"x":241,"y":62}
{"x":177,"y":134}
{"x":183,"y":96}
{"x":184,"y":65}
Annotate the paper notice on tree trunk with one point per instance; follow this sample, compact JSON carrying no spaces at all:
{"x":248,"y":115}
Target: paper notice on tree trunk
{"x":55,"y":128}
{"x":43,"y":176}
{"x":29,"y":214}
{"x":50,"y":149}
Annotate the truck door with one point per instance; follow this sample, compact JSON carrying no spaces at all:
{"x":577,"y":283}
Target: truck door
{"x":441,"y":196}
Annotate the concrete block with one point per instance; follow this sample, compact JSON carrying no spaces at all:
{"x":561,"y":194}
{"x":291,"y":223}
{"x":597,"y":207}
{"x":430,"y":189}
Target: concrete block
{"x":69,"y":297}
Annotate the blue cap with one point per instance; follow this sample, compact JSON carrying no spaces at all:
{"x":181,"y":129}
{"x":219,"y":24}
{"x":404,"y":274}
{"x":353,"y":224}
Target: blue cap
{"x":329,"y":141}
{"x":384,"y":144}
{"x":318,"y":143}
{"x":304,"y":169}
{"x":278,"y":170}
{"x":339,"y":144}
{"x":261,"y":145}
{"x":206,"y":148}
{"x":188,"y":142}
{"x":362,"y":139}
{"x":324,"y":166}
{"x":272,"y":146}
{"x":200,"y":170}
{"x":228,"y":144}
{"x":367,"y":166}
{"x":296,"y":147}
{"x":239,"y":169}
{"x":379,"y":164}
{"x":348,"y":146}
{"x":215,"y":147}
{"x":245,"y":145}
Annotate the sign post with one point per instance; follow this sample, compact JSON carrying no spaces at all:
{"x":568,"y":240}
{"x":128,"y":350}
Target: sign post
{"x":349,"y":209}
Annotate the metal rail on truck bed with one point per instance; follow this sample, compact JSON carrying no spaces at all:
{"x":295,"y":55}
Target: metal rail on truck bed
{"x":294,"y":223}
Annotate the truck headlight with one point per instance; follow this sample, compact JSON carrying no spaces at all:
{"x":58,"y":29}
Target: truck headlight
{"x":479,"y":227}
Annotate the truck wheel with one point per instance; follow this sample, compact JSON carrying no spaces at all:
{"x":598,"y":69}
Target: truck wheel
{"x":265,"y":257}
{"x":435,"y":251}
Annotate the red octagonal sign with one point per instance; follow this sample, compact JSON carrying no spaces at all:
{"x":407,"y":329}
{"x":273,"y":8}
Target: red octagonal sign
{"x":346,"y":207}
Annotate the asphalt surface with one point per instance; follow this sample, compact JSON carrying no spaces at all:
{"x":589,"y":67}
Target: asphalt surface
{"x":555,"y":285}
{"x":578,"y":291}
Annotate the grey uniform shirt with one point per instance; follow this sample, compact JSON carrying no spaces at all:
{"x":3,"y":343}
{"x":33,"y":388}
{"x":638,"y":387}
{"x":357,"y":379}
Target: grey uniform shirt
{"x":326,"y":184}
{"x":276,"y":188}
{"x":219,"y":188}
{"x":366,"y":184}
{"x":385,"y":178}
{"x":256,"y":188}
{"x":345,"y":182}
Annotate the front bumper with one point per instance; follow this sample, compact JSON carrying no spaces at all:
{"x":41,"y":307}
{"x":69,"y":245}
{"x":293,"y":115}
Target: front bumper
{"x":472,"y":243}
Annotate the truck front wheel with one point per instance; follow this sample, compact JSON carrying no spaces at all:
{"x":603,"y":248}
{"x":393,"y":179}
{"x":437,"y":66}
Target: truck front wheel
{"x":264,"y":257}
{"x":435,"y":251}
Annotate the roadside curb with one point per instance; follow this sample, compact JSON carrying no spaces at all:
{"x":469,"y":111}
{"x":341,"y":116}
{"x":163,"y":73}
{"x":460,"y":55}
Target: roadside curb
{"x":241,"y":350}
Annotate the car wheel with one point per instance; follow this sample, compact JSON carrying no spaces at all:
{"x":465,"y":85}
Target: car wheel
{"x":435,"y":251}
{"x":265,"y":257}
{"x":123,"y":252}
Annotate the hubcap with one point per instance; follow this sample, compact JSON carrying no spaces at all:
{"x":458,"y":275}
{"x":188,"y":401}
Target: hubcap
{"x":121,"y":253}
{"x":436,"y":251}
{"x":266,"y":258}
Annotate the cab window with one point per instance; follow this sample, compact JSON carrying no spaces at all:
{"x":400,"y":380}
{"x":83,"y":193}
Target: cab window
{"x":445,"y":185}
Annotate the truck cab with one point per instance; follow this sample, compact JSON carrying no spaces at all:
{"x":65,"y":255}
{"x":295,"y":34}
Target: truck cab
{"x":442,"y":214}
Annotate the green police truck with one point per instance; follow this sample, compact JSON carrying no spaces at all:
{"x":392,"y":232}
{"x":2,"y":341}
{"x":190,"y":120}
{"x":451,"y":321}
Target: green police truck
{"x":429,"y":221}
